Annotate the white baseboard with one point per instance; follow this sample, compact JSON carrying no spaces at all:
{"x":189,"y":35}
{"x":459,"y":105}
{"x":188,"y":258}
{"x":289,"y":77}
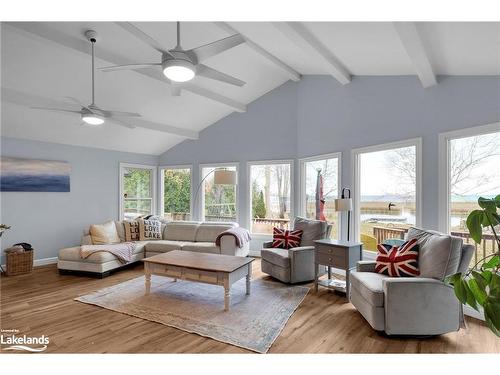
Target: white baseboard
{"x":41,"y":262}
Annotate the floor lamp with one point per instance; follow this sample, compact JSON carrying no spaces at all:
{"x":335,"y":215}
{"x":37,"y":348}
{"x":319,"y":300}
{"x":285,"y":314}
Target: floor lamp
{"x":344,"y":203}
{"x":222,"y":176}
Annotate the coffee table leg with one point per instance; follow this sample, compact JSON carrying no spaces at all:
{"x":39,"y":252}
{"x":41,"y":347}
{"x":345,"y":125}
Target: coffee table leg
{"x":249,"y":277}
{"x":147,"y":276}
{"x":227,"y":293}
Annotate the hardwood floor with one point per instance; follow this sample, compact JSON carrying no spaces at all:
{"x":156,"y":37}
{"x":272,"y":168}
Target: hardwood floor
{"x":42,"y":303}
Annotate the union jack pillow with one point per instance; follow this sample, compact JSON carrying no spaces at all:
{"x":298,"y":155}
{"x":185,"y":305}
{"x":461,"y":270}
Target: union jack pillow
{"x":398,"y":261}
{"x":286,"y":239}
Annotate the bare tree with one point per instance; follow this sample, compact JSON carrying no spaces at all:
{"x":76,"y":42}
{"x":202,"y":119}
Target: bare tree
{"x":282,"y":173}
{"x":467,"y":156}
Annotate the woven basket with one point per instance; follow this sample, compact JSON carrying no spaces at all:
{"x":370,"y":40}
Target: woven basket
{"x":19,"y":263}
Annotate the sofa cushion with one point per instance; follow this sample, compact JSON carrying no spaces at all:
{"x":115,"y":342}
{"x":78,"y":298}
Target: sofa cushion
{"x":103,"y":234}
{"x":312,"y":230}
{"x":178,"y":231}
{"x":369,"y":285}
{"x":162,"y":246}
{"x":201,"y":247}
{"x":278,"y":257}
{"x":439,"y":253}
{"x":73,"y":254}
{"x":120,"y":229}
{"x":208,"y":232}
{"x":149,"y":230}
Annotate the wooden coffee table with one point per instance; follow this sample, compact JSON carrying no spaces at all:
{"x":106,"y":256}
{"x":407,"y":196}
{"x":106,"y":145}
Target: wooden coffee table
{"x":214,"y":269}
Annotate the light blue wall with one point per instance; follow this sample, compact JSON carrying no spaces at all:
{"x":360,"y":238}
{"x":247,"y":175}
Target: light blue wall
{"x":50,"y":221}
{"x":318,"y":115}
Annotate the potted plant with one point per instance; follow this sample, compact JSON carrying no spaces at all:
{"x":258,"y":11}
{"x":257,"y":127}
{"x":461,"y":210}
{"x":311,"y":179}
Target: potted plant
{"x":481,"y":287}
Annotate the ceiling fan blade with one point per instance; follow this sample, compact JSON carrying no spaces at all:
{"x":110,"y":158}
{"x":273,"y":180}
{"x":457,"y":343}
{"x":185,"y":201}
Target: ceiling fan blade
{"x":76,"y":101}
{"x":138,"y":33}
{"x":127,"y":66}
{"x":121,"y":123}
{"x":56,"y":109}
{"x":121,"y":114}
{"x":207,"y":72}
{"x":214,"y":48}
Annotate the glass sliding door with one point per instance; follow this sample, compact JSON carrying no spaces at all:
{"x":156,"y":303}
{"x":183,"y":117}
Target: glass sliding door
{"x":138,"y":191}
{"x":387,"y":192}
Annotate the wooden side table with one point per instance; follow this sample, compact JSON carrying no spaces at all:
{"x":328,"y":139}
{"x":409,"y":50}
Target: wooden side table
{"x":337,"y":254}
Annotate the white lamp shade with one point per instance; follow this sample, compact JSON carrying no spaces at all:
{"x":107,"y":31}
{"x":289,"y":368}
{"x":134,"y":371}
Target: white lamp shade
{"x":343,"y":204}
{"x":224,"y":177}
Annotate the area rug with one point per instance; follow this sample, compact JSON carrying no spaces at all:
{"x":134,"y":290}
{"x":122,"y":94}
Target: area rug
{"x":253,"y":322}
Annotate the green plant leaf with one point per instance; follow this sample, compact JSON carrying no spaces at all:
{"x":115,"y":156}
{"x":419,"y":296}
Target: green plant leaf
{"x":480,"y":279}
{"x":492,"y":312}
{"x":474,"y":221}
{"x":497,"y":200}
{"x":477,"y":291}
{"x":488,"y":205}
{"x":487,"y":275}
{"x":492,"y":263}
{"x":452,"y":279}
{"x":460,"y":290}
{"x":489,"y":219}
{"x":495,"y":285}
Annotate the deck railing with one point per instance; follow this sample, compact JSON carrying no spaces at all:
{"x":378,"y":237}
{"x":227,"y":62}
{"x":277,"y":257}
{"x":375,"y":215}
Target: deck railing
{"x":487,"y":246}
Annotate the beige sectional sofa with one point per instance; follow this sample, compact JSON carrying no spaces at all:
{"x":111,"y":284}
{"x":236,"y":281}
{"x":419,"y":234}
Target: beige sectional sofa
{"x":176,"y":235}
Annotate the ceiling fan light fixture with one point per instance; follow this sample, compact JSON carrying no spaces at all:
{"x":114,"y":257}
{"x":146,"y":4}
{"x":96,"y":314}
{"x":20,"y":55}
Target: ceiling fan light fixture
{"x":179,"y":70}
{"x":92,"y":119}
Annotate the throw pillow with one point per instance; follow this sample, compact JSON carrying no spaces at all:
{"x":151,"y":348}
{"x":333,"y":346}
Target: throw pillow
{"x":103,"y":234}
{"x":131,"y":230}
{"x":286,"y":239}
{"x":149,"y":230}
{"x":398,"y":261}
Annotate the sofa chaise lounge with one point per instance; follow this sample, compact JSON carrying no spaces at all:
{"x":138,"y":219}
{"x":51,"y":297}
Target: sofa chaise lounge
{"x":188,"y":236}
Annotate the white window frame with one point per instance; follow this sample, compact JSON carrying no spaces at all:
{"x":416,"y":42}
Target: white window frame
{"x":302,"y":182}
{"x":161,"y":186}
{"x":249,"y":191}
{"x":444,"y":166}
{"x":356,"y":178}
{"x":154,"y":197}
{"x":201,"y":194}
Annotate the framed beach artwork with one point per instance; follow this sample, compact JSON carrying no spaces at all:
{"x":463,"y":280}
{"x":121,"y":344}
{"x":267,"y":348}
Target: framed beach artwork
{"x":18,"y":174}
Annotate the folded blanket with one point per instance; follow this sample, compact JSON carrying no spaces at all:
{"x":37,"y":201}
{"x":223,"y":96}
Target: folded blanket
{"x":122,"y":251}
{"x":241,"y":235}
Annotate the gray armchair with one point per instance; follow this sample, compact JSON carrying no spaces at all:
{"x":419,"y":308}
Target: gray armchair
{"x":422,"y":305}
{"x":295,"y":265}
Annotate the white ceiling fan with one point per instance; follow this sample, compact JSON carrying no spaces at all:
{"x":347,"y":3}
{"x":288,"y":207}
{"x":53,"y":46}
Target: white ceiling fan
{"x":180,"y":65}
{"x":91,"y":114}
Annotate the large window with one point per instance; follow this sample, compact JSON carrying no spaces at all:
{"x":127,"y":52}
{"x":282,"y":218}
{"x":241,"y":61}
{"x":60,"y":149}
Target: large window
{"x":218,"y":202}
{"x":319,"y":178}
{"x":387,"y":191}
{"x":176,"y":192}
{"x":473,"y":171}
{"x":137,"y":190}
{"x":270,"y":192}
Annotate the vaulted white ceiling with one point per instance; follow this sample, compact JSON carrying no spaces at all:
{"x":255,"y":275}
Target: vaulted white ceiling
{"x":44,"y":62}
